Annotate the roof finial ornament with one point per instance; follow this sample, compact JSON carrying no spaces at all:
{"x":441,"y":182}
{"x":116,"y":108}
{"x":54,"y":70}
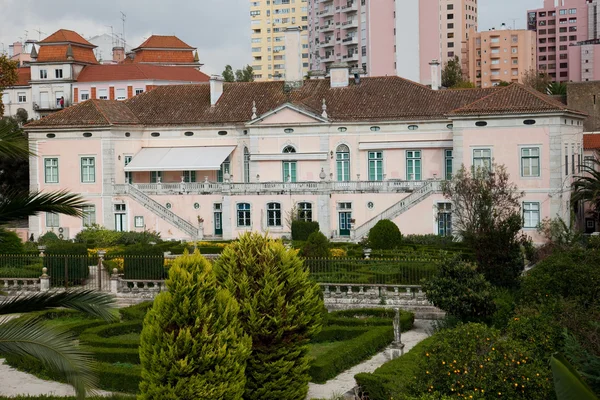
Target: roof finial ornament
{"x":69,"y":53}
{"x":254,"y":116}
{"x":324,"y":114}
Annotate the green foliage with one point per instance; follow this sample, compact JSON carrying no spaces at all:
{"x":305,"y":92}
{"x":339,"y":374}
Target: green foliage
{"x":141,"y":262}
{"x":10,"y":243}
{"x":192,"y":345}
{"x":385,"y":235}
{"x":280,"y":309}
{"x":48,"y":238}
{"x":14,"y":171}
{"x":537,"y":80}
{"x":585,"y":361}
{"x":505,"y":303}
{"x":67,"y":263}
{"x":228,"y":74}
{"x":559,"y":233}
{"x":9,"y":75}
{"x":97,"y":236}
{"x":557,"y":89}
{"x":103,"y":336}
{"x":570,"y":274}
{"x":392,"y":379}
{"x":317,"y":246}
{"x":245,"y":75}
{"x":461,"y":291}
{"x":475,"y":360}
{"x":301,"y":230}
{"x":452,"y":73}
{"x":486,"y":214}
{"x":464,"y":85}
{"x":567,"y":382}
{"x":135,"y":313}
{"x":50,"y":397}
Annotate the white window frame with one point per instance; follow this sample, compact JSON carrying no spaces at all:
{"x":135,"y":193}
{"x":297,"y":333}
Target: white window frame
{"x":21,"y":97}
{"x":523,"y":158}
{"x":305,"y":207}
{"x":473,"y":158}
{"x":43,"y":74}
{"x":121,"y":94}
{"x":58,"y":73}
{"x":529,"y":209}
{"x":274,"y":219}
{"x":247,"y":221}
{"x":88,"y":177}
{"x":52,"y":220}
{"x":137,"y":223}
{"x":102,"y":94}
{"x":46,"y":180}
{"x":89,"y":215}
{"x":84,"y":95}
{"x":139,"y":91}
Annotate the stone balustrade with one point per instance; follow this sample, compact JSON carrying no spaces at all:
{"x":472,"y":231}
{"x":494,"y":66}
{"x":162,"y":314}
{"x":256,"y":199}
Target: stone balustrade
{"x":20,"y":284}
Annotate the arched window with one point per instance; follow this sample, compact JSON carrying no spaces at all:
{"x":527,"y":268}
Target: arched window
{"x":289,"y":166}
{"x":246,"y":165}
{"x":342,"y":156}
{"x":273,"y":214}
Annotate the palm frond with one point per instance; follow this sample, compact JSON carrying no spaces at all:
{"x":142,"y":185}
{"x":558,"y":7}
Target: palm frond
{"x":12,"y":143}
{"x":55,"y":348}
{"x":16,"y":205}
{"x":87,"y":301}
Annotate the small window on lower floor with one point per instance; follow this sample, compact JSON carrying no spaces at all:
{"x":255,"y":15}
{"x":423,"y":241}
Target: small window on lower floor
{"x":52,"y":220}
{"x":531,"y":214}
{"x":243,"y":215}
{"x":139,"y":222}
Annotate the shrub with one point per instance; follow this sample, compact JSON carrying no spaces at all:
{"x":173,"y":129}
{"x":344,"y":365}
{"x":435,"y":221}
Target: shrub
{"x":192,"y":345}
{"x":135,"y":313}
{"x":570,"y":274}
{"x":338,"y":253}
{"x":385,"y":235}
{"x":301,"y":230}
{"x":475,"y":360}
{"x":48,"y":238}
{"x":504,"y":301}
{"x":142,"y":262}
{"x":280,"y":309}
{"x":143,"y":238}
{"x":317,"y":246}
{"x":461,"y":291}
{"x":392,"y":379}
{"x":10,"y":243}
{"x":97,"y":236}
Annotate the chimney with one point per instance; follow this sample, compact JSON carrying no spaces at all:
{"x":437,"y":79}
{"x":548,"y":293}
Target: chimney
{"x":34,"y":54}
{"x":293,"y":57}
{"x":435,"y":74}
{"x":118,"y":54}
{"x":339,"y":75}
{"x":216,"y":89}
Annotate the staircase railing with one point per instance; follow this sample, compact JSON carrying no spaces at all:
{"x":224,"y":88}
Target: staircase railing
{"x":400,"y":207}
{"x":158,"y":209}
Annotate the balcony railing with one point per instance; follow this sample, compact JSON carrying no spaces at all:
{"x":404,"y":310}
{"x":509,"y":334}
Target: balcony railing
{"x":351,"y":24}
{"x":350,"y":7}
{"x":387,"y":186}
{"x":350,"y":40}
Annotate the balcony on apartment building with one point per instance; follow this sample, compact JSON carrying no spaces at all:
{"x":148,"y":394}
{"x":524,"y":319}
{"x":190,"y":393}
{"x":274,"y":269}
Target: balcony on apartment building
{"x":45,"y":104}
{"x":349,"y":7}
{"x":328,"y":42}
{"x":237,"y":188}
{"x":327,"y":12}
{"x":328,"y":57}
{"x":326,"y":27}
{"x":350,"y":41}
{"x":350,"y":24}
{"x":351,"y":56}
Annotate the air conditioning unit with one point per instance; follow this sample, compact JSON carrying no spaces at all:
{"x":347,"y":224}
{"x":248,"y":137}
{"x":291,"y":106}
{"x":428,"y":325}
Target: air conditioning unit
{"x":63,"y":233}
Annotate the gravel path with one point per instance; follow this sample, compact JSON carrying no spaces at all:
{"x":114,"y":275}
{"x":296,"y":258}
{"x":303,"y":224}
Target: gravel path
{"x":13,"y":383}
{"x":344,"y":382}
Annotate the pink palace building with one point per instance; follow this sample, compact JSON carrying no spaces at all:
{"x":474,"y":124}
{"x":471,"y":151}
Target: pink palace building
{"x":203,"y":161}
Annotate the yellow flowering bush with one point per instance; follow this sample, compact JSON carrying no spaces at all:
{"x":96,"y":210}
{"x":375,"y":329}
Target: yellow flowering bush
{"x":338,"y":253}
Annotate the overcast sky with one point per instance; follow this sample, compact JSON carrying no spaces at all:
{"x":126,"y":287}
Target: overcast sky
{"x":220,"y":29}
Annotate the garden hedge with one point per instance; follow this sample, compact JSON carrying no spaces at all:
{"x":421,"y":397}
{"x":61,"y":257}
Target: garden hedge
{"x":136,"y":312}
{"x":301,"y":230}
{"x":103,"y":336}
{"x":50,"y":397}
{"x":70,"y":256}
{"x":393,"y":377}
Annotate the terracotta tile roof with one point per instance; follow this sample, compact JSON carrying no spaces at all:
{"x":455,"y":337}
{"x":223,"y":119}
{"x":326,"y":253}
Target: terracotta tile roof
{"x":374,"y":99}
{"x":164,"y":42}
{"x":129,"y":72}
{"x":90,"y":113}
{"x":24,"y":76}
{"x":513,"y":99}
{"x":164,"y":56}
{"x":591,"y":141}
{"x":65,"y":35}
{"x":53,"y":53}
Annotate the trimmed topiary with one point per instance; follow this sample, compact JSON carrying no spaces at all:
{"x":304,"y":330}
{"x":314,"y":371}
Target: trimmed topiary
{"x":301,"y":230}
{"x":10,"y":243}
{"x":281,"y":309}
{"x":385,"y":235}
{"x":317,"y":246}
{"x":192,"y":344}
{"x":48,"y":238}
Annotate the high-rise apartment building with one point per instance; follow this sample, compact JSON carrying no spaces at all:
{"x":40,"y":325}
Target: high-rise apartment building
{"x":499,"y":56}
{"x":268,"y":20}
{"x":559,"y":24}
{"x":389,"y":37}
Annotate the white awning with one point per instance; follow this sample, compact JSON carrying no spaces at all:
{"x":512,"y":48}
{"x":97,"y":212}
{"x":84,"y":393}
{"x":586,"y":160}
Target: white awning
{"x":179,"y":158}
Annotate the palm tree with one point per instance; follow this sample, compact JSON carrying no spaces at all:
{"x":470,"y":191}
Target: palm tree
{"x":586,"y":187}
{"x":557,"y":89}
{"x":28,"y":335}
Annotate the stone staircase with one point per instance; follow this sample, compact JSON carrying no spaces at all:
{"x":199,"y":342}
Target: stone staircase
{"x":399,"y":208}
{"x":158,"y":209}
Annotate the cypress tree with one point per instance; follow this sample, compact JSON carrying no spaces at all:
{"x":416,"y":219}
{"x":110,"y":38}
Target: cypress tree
{"x":280,"y":309}
{"x":192,"y":344}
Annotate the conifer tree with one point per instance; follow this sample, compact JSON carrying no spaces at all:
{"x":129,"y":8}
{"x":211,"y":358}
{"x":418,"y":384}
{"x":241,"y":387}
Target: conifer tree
{"x":280,"y":309}
{"x":192,"y":345}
